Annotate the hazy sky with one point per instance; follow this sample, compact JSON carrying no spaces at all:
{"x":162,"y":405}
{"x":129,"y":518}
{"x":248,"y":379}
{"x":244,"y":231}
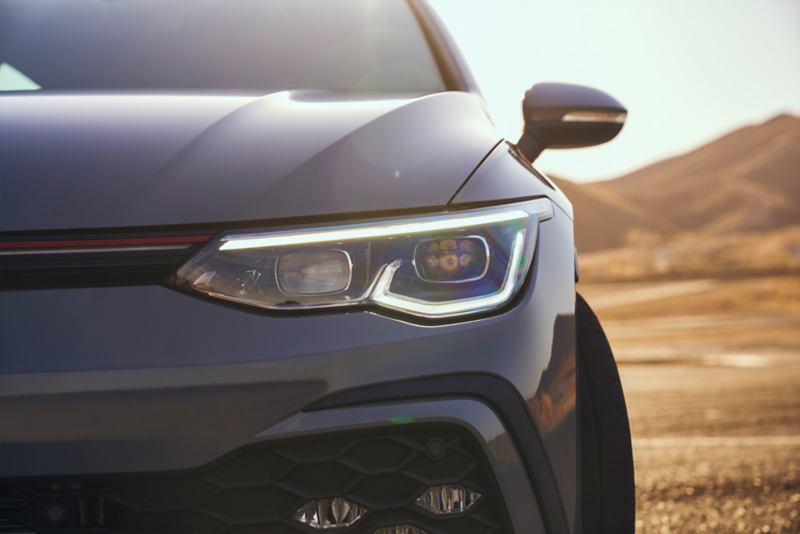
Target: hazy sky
{"x":687,"y":70}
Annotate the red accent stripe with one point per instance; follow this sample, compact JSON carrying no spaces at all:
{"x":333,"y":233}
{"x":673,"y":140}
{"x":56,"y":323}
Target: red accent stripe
{"x":106,"y":242}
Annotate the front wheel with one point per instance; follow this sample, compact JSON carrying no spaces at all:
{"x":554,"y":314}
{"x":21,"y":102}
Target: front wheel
{"x":608,"y":501}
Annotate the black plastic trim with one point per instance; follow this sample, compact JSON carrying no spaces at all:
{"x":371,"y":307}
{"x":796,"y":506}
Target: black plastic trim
{"x":70,"y":269}
{"x":503,"y":398}
{"x":204,"y":470}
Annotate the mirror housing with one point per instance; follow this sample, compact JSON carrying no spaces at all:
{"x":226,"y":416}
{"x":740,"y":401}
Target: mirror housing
{"x":561,"y":115}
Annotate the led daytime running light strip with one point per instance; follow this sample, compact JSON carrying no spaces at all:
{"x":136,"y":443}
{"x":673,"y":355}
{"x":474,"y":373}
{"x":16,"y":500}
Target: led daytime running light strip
{"x":367,"y":232}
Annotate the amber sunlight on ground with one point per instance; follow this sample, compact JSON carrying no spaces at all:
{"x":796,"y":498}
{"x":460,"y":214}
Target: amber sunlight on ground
{"x":710,"y":369}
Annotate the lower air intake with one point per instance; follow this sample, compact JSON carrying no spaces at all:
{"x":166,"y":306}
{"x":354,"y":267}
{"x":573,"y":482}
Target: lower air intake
{"x":264,"y":488}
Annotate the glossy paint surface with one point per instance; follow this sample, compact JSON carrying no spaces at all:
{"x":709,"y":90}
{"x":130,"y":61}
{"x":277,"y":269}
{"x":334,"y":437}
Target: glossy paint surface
{"x":503,"y":176}
{"x":115,"y":160}
{"x":126,"y":379}
{"x":145,"y":378}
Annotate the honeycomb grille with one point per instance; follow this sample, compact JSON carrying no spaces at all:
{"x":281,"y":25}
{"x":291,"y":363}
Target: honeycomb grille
{"x":257,"y":489}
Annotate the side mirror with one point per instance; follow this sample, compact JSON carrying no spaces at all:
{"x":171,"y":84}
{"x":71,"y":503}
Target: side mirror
{"x":561,"y":115}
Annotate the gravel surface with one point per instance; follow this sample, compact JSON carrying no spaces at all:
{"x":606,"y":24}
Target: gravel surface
{"x":716,"y":449}
{"x":711,"y":373}
{"x":718,"y":489}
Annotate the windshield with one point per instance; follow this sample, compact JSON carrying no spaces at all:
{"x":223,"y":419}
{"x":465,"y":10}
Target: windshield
{"x":365,"y":45}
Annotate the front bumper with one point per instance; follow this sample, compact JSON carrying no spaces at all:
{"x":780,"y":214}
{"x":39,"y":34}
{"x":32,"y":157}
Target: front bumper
{"x":100,"y":381}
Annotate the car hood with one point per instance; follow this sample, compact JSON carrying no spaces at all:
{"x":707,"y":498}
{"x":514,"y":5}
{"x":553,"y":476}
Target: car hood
{"x":70,"y":161}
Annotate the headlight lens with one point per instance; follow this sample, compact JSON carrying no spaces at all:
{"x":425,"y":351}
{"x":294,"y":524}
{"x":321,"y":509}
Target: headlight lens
{"x":436,"y":266}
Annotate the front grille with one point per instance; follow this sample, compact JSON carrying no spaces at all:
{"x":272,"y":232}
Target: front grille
{"x":260,"y":488}
{"x":96,"y":259}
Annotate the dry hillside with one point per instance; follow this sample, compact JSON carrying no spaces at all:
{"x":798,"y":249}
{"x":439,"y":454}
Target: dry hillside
{"x":606,"y":220}
{"x":731,"y":206}
{"x":746,"y":180}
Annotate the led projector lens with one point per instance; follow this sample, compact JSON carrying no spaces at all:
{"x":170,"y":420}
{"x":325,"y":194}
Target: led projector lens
{"x":453,"y":259}
{"x":314,"y":272}
{"x":432,"y":267}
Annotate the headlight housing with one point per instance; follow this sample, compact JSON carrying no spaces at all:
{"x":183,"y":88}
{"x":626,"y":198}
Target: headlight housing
{"x":438,"y":266}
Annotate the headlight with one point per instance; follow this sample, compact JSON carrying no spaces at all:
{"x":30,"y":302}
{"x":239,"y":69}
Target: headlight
{"x":436,"y":266}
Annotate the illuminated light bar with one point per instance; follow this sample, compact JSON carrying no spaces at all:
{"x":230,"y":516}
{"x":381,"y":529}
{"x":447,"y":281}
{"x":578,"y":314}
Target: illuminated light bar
{"x":301,"y":237}
{"x":594,"y":116}
{"x":400,"y":529}
{"x":392,"y":263}
{"x":329,"y":513}
{"x":448,"y":499}
{"x":383,"y":296}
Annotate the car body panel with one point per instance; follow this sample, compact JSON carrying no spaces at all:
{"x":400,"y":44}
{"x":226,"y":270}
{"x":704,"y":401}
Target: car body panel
{"x":122,"y":379}
{"x":146,"y":160}
{"x":505,"y":176}
{"x":102,"y":380}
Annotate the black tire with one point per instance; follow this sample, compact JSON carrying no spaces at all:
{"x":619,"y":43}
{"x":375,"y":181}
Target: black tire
{"x":608,"y":499}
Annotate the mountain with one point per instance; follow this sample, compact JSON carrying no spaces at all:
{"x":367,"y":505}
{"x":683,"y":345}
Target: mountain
{"x":746,"y":180}
{"x":745,"y":183}
{"x":605,"y":220}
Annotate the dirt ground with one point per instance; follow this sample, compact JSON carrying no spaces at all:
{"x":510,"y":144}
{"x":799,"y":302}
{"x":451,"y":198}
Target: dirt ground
{"x":711,"y":372}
